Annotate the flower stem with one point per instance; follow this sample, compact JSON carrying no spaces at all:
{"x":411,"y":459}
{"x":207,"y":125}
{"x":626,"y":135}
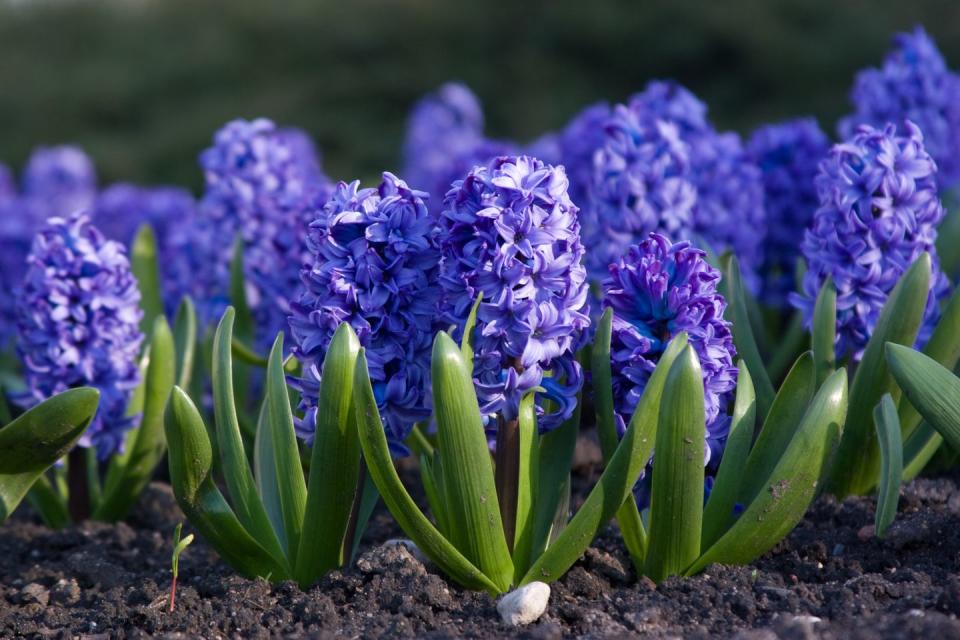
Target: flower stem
{"x":78,"y":502}
{"x":507,"y":460}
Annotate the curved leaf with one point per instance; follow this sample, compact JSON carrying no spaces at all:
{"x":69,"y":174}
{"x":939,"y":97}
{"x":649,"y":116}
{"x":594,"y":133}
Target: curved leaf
{"x":824,"y":338}
{"x":891,"y":463}
{"x":376,"y":453}
{"x":932,"y":389}
{"x":143,"y":264}
{"x":185,"y":340}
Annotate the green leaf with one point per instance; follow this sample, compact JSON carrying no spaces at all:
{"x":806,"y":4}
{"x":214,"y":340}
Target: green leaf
{"x":825,"y":331}
{"x":617,"y":481}
{"x":185,"y":341}
{"x":368,"y":502}
{"x":919,"y":448}
{"x":143,"y":264}
{"x":631,"y":526}
{"x":676,"y":499}
{"x":528,"y":489}
{"x":467,"y":341}
{"x":48,"y":503}
{"x":791,"y":487}
{"x":556,"y":458}
{"x":197,"y":494}
{"x":779,"y":428}
{"x":931,"y":388}
{"x":718,"y":515}
{"x":334,"y":464}
{"x":238,"y":294}
{"x":472,"y":510}
{"x":38,"y":438}
{"x":237,"y":476}
{"x":430,"y":475}
{"x":891,"y":462}
{"x":858,"y":459}
{"x":147,"y":449}
{"x":376,"y":453}
{"x":743,"y":333}
{"x":279,"y":436}
{"x":789,"y":346}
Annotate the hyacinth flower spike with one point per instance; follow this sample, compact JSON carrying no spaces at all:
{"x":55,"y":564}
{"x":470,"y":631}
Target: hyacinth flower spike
{"x":759,"y":490}
{"x":80,"y":326}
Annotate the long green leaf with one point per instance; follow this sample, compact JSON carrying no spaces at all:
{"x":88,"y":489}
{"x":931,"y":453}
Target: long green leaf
{"x":891,"y":463}
{"x":38,"y":438}
{"x":285,"y":464}
{"x":472,"y":510}
{"x":676,"y":499}
{"x":628,"y":517}
{"x":467,"y":340}
{"x":376,"y":453}
{"x":334,"y":464}
{"x":237,"y":476}
{"x":718,"y":515}
{"x":528,"y":489}
{"x":191,"y":459}
{"x":556,"y":458}
{"x":919,"y":448}
{"x":149,"y":446}
{"x":779,"y":428}
{"x":143,"y":264}
{"x":931,"y":388}
{"x":617,"y":481}
{"x":743,"y":332}
{"x":791,"y":487}
{"x":824,"y":337}
{"x":858,"y":459}
{"x":48,"y":503}
{"x":185,"y":339}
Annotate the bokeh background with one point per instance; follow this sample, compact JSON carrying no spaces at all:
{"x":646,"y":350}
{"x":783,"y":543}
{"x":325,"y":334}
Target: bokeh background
{"x":142,"y":85}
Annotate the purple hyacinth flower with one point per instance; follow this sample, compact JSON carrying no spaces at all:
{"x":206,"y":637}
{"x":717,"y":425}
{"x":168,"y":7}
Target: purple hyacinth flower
{"x":59,"y":181}
{"x":879,"y":211}
{"x":913,"y":84}
{"x":788,"y":154}
{"x":578,"y":142}
{"x":263,"y":183}
{"x":374,"y":263}
{"x":657,"y":290}
{"x":78,"y":324}
{"x":510,"y":232}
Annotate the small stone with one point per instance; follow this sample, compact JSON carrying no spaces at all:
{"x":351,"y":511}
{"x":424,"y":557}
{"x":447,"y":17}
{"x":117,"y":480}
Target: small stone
{"x":524,"y":605}
{"x":410,"y":546}
{"x":65,"y":592}
{"x":866,"y":532}
{"x":35,"y":593}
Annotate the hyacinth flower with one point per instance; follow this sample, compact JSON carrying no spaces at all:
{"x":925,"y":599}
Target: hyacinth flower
{"x":913,"y":84}
{"x":78,"y":327}
{"x":873,"y":277}
{"x":445,"y":140}
{"x":374,"y":265}
{"x":262,"y":184}
{"x":788,"y":155}
{"x":662,"y":309}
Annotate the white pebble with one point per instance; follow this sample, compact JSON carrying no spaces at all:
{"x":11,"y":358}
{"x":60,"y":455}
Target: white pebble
{"x":524,"y":605}
{"x":410,"y":546}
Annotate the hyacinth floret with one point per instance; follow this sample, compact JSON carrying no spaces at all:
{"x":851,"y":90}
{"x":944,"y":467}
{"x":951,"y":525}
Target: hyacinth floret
{"x":913,"y":84}
{"x":879,"y":211}
{"x":262,"y":182}
{"x":78,"y":324}
{"x":788,"y":155}
{"x":510,"y":232}
{"x":374,"y":264}
{"x":657,"y":290}
{"x":578,"y":142}
{"x":58,"y":181}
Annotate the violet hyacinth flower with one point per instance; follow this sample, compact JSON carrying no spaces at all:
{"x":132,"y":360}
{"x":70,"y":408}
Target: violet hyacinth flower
{"x":879,"y":211}
{"x":261,"y":182}
{"x":788,"y":154}
{"x":58,"y":181}
{"x":78,"y":324}
{"x":578,"y":143}
{"x":374,"y":264}
{"x":913,"y":84}
{"x":510,"y":232}
{"x":657,"y":290}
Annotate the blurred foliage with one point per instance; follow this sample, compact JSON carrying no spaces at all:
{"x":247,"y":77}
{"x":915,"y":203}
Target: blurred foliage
{"x":143,"y":85}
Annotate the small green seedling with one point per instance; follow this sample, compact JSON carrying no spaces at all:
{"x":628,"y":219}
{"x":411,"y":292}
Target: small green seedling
{"x":178,"y":547}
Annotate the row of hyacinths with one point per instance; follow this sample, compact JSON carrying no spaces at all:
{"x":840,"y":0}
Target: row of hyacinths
{"x":630,"y":199}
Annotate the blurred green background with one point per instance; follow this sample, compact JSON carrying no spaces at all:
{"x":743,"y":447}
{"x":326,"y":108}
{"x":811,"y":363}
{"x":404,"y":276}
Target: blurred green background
{"x":142,"y":85}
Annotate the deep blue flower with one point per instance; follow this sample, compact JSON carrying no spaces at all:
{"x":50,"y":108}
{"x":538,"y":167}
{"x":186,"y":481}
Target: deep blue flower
{"x":913,"y":84}
{"x":374,"y":263}
{"x":879,"y":210}
{"x":78,"y":324}
{"x":578,"y":143}
{"x":58,"y":181}
{"x":510,"y":232}
{"x":788,"y":155}
{"x":261,"y":182}
{"x":656,"y":291}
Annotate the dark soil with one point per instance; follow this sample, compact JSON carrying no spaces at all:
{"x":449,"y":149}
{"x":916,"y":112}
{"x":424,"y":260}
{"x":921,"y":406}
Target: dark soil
{"x":829,"y":579}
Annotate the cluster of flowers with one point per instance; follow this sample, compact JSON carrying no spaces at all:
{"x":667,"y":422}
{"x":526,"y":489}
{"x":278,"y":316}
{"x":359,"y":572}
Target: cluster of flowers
{"x":620,"y":196}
